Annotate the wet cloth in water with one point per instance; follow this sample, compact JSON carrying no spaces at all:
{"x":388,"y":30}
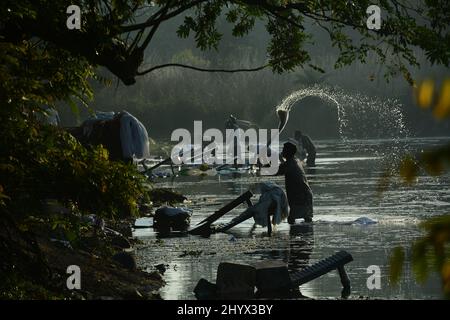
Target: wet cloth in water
{"x":272,"y":199}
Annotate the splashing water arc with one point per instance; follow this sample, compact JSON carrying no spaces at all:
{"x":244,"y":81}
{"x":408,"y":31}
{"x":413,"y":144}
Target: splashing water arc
{"x":359,"y":117}
{"x":285,"y":106}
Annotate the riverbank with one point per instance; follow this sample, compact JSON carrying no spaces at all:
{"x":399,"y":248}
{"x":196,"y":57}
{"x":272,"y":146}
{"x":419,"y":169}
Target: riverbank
{"x":102,"y":275}
{"x":39,"y":257}
{"x":38,"y":267}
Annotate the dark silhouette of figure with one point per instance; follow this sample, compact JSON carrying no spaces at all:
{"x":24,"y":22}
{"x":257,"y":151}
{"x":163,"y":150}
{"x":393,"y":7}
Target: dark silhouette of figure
{"x":231,"y":123}
{"x":298,"y":191}
{"x":306,"y":144}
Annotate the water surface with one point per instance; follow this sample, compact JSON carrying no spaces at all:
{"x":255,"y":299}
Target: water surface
{"x":344,"y":183}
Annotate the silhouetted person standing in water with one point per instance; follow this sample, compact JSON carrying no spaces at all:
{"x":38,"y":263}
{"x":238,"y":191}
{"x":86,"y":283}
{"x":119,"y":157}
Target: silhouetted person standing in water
{"x":232,"y":123}
{"x":299,"y":193}
{"x":306,"y":143}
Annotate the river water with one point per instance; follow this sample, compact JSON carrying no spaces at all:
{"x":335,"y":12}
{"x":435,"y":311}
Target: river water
{"x":344,"y":183}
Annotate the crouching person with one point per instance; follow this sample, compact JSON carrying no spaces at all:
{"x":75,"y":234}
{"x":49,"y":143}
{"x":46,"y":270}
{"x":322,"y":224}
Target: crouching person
{"x":298,"y":191}
{"x":272,"y":206}
{"x":271,"y":209}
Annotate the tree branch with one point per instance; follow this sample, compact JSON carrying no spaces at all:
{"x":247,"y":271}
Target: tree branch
{"x":151,"y":21}
{"x":180,"y":65}
{"x":140,"y":73}
{"x":155,"y":27}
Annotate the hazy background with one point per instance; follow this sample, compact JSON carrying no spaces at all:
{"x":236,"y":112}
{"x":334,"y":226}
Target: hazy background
{"x":173,"y":98}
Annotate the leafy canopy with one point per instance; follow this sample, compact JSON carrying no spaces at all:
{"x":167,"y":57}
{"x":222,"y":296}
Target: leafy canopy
{"x":117,"y":33}
{"x":39,"y":161}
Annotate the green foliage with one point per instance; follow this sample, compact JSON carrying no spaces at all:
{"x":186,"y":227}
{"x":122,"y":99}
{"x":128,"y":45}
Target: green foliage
{"x":242,"y":21}
{"x":40,"y":161}
{"x":435,"y":161}
{"x":430,"y":252}
{"x":286,"y":46}
{"x":396,"y":264}
{"x":33,"y":75}
{"x":116,"y":33}
{"x":203,"y":26}
{"x":16,"y":288}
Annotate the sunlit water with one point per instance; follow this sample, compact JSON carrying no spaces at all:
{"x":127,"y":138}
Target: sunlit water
{"x":344,"y":185}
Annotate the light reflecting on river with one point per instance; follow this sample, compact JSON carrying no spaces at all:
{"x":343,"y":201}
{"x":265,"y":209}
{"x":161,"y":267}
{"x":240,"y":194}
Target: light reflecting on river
{"x":344,"y":183}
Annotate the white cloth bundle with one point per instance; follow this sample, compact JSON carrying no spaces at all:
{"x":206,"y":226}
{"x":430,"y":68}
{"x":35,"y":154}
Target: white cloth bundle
{"x":134,"y":137}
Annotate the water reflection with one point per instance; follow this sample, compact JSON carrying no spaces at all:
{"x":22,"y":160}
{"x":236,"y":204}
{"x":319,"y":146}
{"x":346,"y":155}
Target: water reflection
{"x":344,"y":185}
{"x":311,"y":172}
{"x":301,"y":246}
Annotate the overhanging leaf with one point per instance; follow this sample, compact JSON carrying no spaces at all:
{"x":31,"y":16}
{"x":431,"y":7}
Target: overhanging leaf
{"x":397,"y":260}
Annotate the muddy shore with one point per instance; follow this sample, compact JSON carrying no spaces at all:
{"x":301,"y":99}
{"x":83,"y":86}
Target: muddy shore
{"x":40,"y":257}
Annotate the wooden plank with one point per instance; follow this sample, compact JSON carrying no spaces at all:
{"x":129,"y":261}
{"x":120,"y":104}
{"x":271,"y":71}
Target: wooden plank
{"x":158,"y":165}
{"x":320,"y":268}
{"x":228,"y":207}
{"x":204,"y":227}
{"x":239,"y":219}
